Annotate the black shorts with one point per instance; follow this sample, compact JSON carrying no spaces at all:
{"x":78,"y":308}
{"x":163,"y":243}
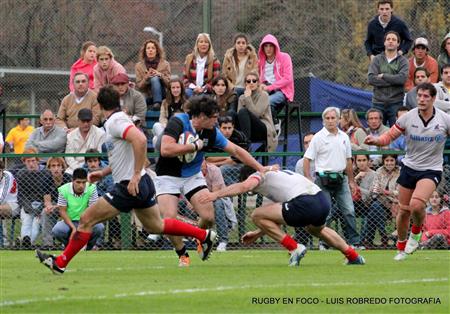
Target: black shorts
{"x":306,"y":210}
{"x":409,"y":177}
{"x":123,"y":201}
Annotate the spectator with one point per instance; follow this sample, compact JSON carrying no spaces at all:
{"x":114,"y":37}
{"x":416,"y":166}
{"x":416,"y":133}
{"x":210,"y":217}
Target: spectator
{"x":85,"y":64}
{"x":351,"y":125}
{"x":152,"y":73}
{"x":400,"y":142}
{"x":48,"y":138}
{"x":73,"y":199}
{"x":239,"y":60}
{"x":376,"y":128}
{"x":331,"y":150}
{"x":8,"y":194}
{"x":225,"y":96}
{"x":2,"y":143}
{"x":421,"y":59}
{"x":254,"y":114}
{"x":388,"y":72}
{"x":383,"y":23}
{"x":443,"y":90}
{"x":106,"y":68}
{"x":18,"y":136}
{"x":276,"y":74}
{"x":86,"y":136}
{"x":444,"y":56}
{"x":299,"y":165}
{"x":131,"y":101}
{"x":421,"y":75}
{"x":436,"y":230}
{"x":201,"y":60}
{"x":223,"y":207}
{"x":81,"y":97}
{"x":49,"y":217}
{"x":384,"y":194}
{"x":175,"y":102}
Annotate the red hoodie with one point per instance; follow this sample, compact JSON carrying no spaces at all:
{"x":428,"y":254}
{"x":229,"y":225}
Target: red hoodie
{"x":437,"y":224}
{"x":81,"y":66}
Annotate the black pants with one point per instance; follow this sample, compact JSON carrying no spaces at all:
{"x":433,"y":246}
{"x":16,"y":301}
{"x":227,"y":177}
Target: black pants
{"x":252,"y":126}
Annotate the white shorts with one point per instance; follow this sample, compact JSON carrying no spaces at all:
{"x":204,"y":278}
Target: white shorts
{"x":177,"y":185}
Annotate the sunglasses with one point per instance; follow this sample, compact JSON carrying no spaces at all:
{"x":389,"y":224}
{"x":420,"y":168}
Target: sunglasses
{"x":251,"y":81}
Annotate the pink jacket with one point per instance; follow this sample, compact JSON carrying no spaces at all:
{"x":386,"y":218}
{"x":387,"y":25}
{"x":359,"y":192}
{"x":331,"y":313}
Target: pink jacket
{"x":283,"y":68}
{"x":103,"y":78}
{"x":81,"y":66}
{"x":437,"y":224}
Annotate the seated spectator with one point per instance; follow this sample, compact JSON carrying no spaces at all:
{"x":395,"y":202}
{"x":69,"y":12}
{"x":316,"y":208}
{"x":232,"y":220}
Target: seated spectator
{"x":86,"y":136}
{"x":73,"y":199}
{"x":400,"y":142}
{"x":18,"y":136}
{"x":384,"y":195}
{"x":200,"y":67}
{"x":276,"y":74}
{"x":443,"y":90}
{"x":350,"y":124}
{"x":225,"y":97}
{"x":9,"y":206}
{"x":444,"y":55}
{"x":106,"y":68}
{"x":175,"y":102}
{"x":299,"y":165}
{"x":421,"y":75}
{"x":238,"y":61}
{"x":254,"y":114}
{"x":436,"y":229}
{"x":374,"y":119}
{"x":131,"y":101}
{"x":421,"y":59}
{"x":2,"y":143}
{"x":48,"y":138}
{"x":85,"y":64}
{"x":81,"y":97}
{"x":152,"y":73}
{"x":105,"y":184}
{"x":49,"y":216}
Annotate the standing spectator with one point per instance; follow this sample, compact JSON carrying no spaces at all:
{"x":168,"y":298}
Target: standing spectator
{"x":85,"y":64}
{"x":152,"y":73}
{"x":9,"y":206}
{"x":388,"y":72}
{"x":106,"y":68}
{"x":421,"y":75}
{"x":436,"y":230}
{"x":443,"y":90}
{"x":225,"y":96}
{"x":375,"y":128}
{"x":48,"y":138}
{"x":331,"y":150}
{"x":276,"y":74}
{"x":73,"y":199}
{"x":81,"y":97}
{"x":18,"y":136}
{"x":444,"y":56}
{"x":383,"y":23}
{"x":238,"y":61}
{"x":131,"y":101}
{"x":364,"y":177}
{"x":201,"y":61}
{"x":86,"y":136}
{"x":421,"y":59}
{"x":254,"y":114}
{"x":351,"y":125}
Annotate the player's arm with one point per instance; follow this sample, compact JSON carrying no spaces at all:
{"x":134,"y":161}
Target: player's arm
{"x":235,"y":189}
{"x":139,"y":143}
{"x":243,"y":156}
{"x":386,"y":138}
{"x":171,"y":148}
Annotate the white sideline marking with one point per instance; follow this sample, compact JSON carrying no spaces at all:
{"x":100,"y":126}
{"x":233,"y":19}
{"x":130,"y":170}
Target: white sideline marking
{"x":220,"y":288}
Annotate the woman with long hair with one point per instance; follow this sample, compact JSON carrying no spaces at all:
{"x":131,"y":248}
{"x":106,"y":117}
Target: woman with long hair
{"x":85,"y":64}
{"x":200,"y":67}
{"x":226,"y":98}
{"x":152,"y":73}
{"x":350,"y":124}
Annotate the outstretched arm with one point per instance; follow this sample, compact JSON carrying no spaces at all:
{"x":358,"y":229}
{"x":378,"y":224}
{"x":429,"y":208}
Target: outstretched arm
{"x":386,"y":138}
{"x":231,"y":190}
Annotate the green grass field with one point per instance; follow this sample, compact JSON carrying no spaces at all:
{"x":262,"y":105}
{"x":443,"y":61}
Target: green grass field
{"x":230,"y":282}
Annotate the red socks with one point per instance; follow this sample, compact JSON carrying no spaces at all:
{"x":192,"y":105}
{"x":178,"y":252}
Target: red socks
{"x":416,"y":229}
{"x":350,"y":254}
{"x":288,"y":243}
{"x":179,"y":228}
{"x":78,"y":241}
{"x":401,"y":245}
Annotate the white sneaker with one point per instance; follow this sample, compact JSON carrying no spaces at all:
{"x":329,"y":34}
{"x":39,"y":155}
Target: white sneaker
{"x":297,"y":255}
{"x":222,"y":247}
{"x":401,"y":255}
{"x":322,"y":247}
{"x":153,"y":237}
{"x":413,"y":243}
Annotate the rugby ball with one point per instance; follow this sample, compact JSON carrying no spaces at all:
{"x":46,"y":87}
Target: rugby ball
{"x":187,"y":138}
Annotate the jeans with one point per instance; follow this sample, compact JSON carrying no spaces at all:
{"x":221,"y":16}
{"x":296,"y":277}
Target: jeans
{"x":48,"y":222}
{"x":344,"y":203}
{"x":157,"y":89}
{"x":276,"y":100}
{"x":61,"y":231}
{"x":230,"y":173}
{"x":376,"y":219}
{"x":30,"y":225}
{"x":221,"y":220}
{"x":389,"y":112}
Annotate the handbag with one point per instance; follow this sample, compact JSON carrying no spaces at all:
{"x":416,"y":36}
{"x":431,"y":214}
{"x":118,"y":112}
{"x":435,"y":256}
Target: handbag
{"x":331,"y":179}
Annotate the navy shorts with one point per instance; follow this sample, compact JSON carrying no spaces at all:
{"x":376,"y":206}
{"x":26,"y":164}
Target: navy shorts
{"x":305,"y":210}
{"x":123,"y":201}
{"x":409,"y":177}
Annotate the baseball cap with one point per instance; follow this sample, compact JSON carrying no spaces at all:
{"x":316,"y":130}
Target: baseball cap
{"x":120,"y":78}
{"x":85,"y":114}
{"x":421,"y":41}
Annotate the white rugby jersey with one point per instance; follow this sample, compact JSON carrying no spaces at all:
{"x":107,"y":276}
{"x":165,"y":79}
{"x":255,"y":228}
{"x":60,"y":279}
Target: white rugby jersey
{"x":284,"y":185}
{"x":424,"y":141}
{"x":120,"y":152}
{"x":8,"y":188}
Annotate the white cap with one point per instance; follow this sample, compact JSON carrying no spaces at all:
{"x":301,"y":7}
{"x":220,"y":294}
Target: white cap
{"x":421,"y":41}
